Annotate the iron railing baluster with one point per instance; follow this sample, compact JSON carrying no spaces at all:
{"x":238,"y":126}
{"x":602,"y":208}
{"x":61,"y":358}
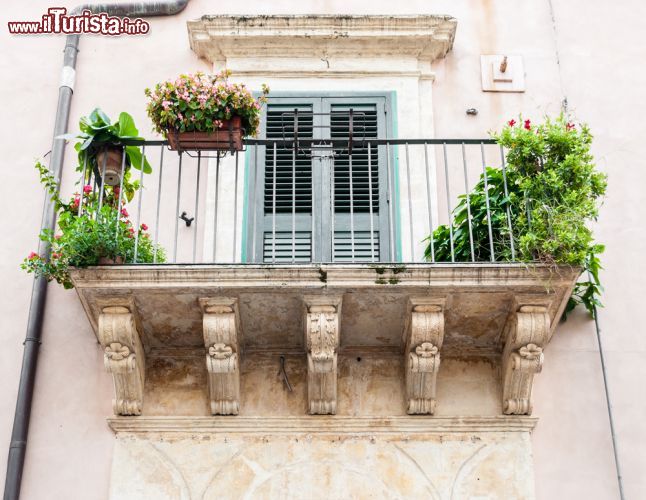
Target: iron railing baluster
{"x":486,"y":186}
{"x":449,"y":210}
{"x":468,"y":199}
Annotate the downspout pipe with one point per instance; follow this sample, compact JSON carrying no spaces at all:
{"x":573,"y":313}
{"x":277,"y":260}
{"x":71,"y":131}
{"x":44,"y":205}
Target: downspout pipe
{"x":18,"y":445}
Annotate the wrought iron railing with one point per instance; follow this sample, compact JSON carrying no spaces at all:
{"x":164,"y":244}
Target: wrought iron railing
{"x":307,"y":200}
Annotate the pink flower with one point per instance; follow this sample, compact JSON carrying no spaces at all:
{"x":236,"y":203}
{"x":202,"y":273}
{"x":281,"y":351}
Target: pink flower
{"x":87,"y":189}
{"x":569,"y":126}
{"x":511,"y":123}
{"x":124,"y":212}
{"x":165,"y":104}
{"x":32,"y":256}
{"x":144,"y":227}
{"x":528,"y":125}
{"x":58,"y":237}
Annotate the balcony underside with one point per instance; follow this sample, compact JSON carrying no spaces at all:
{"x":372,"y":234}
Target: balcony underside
{"x":480,"y":298}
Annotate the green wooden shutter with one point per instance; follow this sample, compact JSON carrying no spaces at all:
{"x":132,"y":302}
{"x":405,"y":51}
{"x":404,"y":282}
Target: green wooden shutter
{"x":356,"y":183}
{"x":299,"y":199}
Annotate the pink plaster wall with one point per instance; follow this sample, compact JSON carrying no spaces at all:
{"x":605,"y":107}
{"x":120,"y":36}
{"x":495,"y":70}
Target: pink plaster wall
{"x":600,"y":52}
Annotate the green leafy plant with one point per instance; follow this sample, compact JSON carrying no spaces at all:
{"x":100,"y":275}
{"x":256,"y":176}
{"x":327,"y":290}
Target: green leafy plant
{"x":550,"y":192}
{"x":200,"y":102}
{"x":98,"y":132}
{"x":90,"y":229}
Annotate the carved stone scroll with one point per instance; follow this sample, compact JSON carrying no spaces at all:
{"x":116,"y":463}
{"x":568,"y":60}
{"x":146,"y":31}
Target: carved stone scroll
{"x":424,"y":335}
{"x":522,"y":358}
{"x":322,"y":342}
{"x":123,"y":357}
{"x":221,"y":328}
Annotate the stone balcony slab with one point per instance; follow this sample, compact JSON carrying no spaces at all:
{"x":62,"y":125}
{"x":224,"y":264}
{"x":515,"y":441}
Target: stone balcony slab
{"x":479,"y":299}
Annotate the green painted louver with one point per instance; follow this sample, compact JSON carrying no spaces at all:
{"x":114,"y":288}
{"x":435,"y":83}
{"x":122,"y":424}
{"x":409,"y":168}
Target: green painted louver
{"x":300,"y":199}
{"x":293,"y":183}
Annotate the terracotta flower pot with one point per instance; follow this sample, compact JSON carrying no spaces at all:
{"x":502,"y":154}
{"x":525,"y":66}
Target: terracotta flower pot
{"x":226,"y":138}
{"x":109,"y":261}
{"x":112,"y":158}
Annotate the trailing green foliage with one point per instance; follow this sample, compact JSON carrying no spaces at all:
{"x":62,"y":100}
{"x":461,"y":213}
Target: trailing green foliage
{"x":549,"y":193}
{"x":99,"y":231}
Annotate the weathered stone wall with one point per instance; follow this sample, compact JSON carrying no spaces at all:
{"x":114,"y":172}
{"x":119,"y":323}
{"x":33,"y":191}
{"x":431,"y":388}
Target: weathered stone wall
{"x":389,"y":458}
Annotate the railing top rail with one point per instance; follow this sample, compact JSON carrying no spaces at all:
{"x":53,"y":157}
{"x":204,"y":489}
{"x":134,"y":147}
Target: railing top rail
{"x":337,"y":142}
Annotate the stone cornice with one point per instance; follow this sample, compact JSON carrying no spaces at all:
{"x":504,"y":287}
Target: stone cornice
{"x":218,"y":38}
{"x":320,"y":425}
{"x":329,"y":276}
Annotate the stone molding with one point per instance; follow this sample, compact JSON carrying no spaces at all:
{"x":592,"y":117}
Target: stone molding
{"x":221,"y":330}
{"x":527,"y":333}
{"x":423,"y":339}
{"x":123,"y":355}
{"x":223,"y":37}
{"x":321,"y":425}
{"x":497,"y":276}
{"x":322,"y":313}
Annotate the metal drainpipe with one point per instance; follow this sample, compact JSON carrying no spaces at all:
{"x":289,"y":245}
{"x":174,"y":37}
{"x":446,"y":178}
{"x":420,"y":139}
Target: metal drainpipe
{"x":18,"y":446}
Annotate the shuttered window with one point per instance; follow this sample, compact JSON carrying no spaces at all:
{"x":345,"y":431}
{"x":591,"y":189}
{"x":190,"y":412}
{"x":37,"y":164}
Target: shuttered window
{"x":320,"y":204}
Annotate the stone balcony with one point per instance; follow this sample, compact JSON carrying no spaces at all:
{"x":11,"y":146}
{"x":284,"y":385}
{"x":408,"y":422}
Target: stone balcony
{"x":353,"y":340}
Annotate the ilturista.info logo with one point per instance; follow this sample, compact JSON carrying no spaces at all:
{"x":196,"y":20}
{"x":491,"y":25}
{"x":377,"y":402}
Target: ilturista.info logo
{"x":57,"y":21}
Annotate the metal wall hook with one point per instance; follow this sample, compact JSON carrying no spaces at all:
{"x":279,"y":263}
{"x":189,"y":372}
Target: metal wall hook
{"x":187,"y":219}
{"x":283,"y":374}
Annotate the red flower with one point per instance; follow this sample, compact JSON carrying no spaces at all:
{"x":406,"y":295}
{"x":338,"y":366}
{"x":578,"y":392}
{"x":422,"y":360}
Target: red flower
{"x":528,"y":125}
{"x":569,"y":126}
{"x":32,"y":256}
{"x":55,"y":255}
{"x":87,"y":189}
{"x":58,"y":236}
{"x":144,"y":227}
{"x":511,"y":123}
{"x":116,"y":190}
{"x":124,"y":212}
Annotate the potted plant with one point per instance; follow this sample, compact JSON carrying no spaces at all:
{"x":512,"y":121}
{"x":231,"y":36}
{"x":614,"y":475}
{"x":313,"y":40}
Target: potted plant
{"x":103,"y":143}
{"x":92,"y":231}
{"x":552,"y":192}
{"x":204,"y":112}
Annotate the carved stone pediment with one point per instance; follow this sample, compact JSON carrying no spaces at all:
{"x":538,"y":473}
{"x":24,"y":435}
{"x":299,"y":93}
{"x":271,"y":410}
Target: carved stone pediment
{"x":423,"y":338}
{"x":221,"y":329}
{"x":222,"y":37}
{"x":123,"y":355}
{"x":322,"y":341}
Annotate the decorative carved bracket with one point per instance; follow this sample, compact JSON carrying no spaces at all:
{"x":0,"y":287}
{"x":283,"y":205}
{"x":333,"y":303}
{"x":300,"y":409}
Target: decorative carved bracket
{"x":221,"y":325}
{"x":527,"y":333}
{"x":424,"y":335}
{"x":123,"y":355}
{"x":322,"y":341}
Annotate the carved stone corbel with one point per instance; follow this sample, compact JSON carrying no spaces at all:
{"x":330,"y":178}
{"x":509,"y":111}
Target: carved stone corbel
{"x":527,"y":333}
{"x":221,"y":328}
{"x":123,"y":356}
{"x":322,"y":342}
{"x":424,"y":335}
